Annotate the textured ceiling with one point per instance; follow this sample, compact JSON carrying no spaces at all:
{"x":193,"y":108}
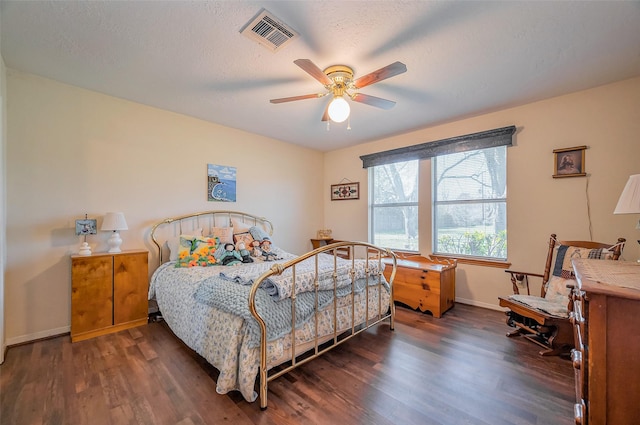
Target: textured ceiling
{"x":463,"y":58}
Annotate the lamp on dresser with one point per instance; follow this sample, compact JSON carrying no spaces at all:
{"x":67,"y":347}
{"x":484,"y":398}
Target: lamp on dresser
{"x":629,"y":202}
{"x":114,"y":222}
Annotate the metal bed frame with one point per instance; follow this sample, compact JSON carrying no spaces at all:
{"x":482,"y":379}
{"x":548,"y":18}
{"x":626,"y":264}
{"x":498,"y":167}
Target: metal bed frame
{"x":321,"y":344}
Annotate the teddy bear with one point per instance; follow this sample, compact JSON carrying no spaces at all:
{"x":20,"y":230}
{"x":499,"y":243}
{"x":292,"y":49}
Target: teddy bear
{"x":230,"y":256}
{"x":244,"y":252}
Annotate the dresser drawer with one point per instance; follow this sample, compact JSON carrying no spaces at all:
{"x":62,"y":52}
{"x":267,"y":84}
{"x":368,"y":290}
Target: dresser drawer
{"x":427,"y":280}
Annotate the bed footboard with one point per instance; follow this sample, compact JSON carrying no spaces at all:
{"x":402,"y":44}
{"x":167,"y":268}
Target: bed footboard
{"x":368,"y":256}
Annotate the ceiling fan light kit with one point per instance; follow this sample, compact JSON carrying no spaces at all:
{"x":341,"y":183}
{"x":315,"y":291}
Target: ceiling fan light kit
{"x":339,"y":109}
{"x":338,"y":81}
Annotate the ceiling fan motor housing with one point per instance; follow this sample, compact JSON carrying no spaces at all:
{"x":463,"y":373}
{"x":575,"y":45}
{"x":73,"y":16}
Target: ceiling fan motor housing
{"x":342,"y":77}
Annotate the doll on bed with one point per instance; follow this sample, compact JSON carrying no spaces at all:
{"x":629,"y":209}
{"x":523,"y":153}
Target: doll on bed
{"x":255,"y":249}
{"x":265,"y":246}
{"x":244,"y":252}
{"x":230,"y":257}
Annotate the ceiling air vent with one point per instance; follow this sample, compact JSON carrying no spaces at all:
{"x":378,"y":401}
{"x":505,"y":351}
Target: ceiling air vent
{"x":269,"y":31}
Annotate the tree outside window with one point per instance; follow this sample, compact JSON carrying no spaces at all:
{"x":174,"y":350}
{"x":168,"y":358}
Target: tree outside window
{"x":393,"y":205}
{"x":470,"y":203}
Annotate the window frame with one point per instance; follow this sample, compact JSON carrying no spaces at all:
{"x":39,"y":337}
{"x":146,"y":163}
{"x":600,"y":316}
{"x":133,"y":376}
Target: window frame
{"x":373,"y":206}
{"x":436,"y":202}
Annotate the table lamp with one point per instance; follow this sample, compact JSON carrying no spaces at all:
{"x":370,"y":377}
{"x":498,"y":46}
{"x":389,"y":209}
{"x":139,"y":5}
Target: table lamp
{"x":114,"y":222}
{"x":629,"y":202}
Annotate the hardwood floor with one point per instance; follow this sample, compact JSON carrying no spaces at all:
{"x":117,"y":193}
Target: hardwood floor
{"x":459,"y":369}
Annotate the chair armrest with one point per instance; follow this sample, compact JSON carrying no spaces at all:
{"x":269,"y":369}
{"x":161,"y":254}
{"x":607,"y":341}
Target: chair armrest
{"x":522,"y":279}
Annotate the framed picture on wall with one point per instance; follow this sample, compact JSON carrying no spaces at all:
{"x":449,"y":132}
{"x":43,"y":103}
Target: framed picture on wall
{"x":221,"y":183}
{"x":569,"y":162}
{"x":345,"y":191}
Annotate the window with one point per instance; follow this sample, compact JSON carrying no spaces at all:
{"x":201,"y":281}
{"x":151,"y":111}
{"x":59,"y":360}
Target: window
{"x":470,"y":203}
{"x":393,"y":208}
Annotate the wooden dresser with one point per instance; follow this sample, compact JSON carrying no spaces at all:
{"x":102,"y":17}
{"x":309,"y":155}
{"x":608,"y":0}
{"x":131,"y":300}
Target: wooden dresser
{"x":606,"y":322}
{"x":423,"y":284}
{"x":108,"y":293}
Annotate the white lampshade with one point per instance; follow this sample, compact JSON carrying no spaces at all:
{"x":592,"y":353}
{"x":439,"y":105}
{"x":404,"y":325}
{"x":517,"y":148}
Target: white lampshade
{"x":629,"y":202}
{"x":339,"y":109}
{"x":114,"y":221}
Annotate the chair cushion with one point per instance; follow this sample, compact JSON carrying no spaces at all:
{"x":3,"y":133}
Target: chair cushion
{"x":552,"y":307}
{"x":557,"y":289}
{"x":565,"y":253}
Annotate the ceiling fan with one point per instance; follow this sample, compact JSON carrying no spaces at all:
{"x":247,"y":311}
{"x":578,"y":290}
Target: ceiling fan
{"x":338,"y":81}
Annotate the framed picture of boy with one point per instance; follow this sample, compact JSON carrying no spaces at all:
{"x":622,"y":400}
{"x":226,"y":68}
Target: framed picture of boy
{"x":569,"y":162}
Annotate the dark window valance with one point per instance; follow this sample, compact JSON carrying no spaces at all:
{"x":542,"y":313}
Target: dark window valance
{"x":469,"y":142}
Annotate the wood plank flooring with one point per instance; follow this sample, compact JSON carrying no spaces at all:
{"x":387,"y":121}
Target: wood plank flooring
{"x":459,"y":369}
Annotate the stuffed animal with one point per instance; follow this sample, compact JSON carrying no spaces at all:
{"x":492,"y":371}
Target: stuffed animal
{"x":244,"y":252}
{"x":255,"y":248}
{"x":265,"y":246}
{"x":230,"y":256}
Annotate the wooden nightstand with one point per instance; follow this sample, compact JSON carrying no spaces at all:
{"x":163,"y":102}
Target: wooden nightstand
{"x":423,"y":284}
{"x":108,"y":293}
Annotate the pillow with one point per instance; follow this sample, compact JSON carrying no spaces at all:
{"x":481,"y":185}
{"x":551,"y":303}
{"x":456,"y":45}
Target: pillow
{"x":259,"y":234}
{"x":243,"y":237}
{"x":197,"y":251}
{"x":224,"y":234}
{"x":566,"y":253}
{"x":239,"y":226}
{"x":557,"y":289}
{"x":174,"y":243}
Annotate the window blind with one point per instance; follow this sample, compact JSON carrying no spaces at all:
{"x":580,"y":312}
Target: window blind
{"x":481,"y":140}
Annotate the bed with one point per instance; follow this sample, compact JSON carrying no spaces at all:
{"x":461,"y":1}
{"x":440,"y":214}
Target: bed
{"x":267,"y":311}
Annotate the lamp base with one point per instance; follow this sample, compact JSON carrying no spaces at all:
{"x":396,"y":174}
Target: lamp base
{"x":85,"y":249}
{"x":114,"y":242}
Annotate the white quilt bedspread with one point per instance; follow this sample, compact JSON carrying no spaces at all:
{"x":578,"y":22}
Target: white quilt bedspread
{"x":221,"y":338}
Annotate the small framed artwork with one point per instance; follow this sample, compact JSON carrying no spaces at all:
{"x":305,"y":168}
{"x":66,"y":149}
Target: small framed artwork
{"x":344,"y":191}
{"x":221,"y":183}
{"x":88,"y":226}
{"x":569,"y":162}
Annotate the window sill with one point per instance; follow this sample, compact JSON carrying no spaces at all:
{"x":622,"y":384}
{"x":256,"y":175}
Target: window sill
{"x":460,"y":260}
{"x":474,"y":261}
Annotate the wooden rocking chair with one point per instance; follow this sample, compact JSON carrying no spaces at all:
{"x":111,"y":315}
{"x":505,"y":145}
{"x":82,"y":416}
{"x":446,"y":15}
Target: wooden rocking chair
{"x":544,"y":320}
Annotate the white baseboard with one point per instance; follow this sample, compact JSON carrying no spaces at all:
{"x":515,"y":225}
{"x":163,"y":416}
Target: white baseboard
{"x":38,"y":335}
{"x":479,"y":304}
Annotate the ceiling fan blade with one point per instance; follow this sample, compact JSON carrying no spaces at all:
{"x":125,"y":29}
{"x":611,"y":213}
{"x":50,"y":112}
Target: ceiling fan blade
{"x":325,"y":116}
{"x":291,"y":99}
{"x":378,"y":102}
{"x":380,"y":74}
{"x":313,"y":70}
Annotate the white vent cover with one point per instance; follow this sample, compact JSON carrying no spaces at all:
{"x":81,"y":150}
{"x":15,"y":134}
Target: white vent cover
{"x":269,"y":31}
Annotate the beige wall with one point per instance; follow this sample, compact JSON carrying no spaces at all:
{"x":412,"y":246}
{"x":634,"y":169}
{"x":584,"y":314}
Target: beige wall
{"x":606,"y":119}
{"x":71,"y":151}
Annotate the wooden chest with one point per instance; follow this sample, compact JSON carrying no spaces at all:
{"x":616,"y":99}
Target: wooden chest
{"x":423,"y":284}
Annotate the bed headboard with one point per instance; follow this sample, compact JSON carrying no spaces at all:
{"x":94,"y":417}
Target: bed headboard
{"x":206,"y":220}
